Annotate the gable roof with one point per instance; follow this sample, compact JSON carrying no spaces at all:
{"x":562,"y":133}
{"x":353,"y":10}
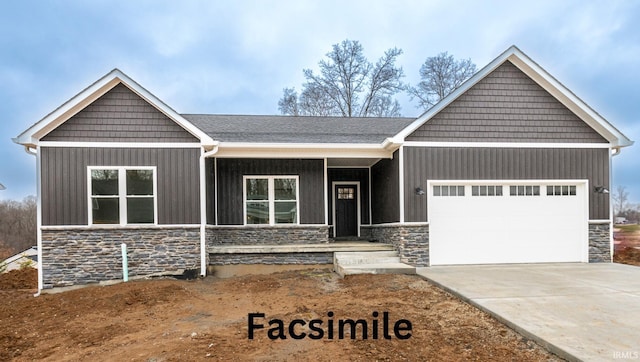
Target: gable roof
{"x":33,"y":134}
{"x":292,"y":129}
{"x":615,"y":138}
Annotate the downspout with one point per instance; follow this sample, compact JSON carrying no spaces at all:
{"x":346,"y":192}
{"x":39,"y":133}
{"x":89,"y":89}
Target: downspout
{"x":203,"y":207}
{"x":34,"y":152}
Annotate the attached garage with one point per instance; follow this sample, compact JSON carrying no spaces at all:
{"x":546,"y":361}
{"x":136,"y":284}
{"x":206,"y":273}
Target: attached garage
{"x":490,"y":222}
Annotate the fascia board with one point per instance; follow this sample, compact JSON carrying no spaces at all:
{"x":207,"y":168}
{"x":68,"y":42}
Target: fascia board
{"x":267,"y":150}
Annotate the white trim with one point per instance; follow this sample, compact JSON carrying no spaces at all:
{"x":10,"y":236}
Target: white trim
{"x":545,"y":80}
{"x":215,"y":186}
{"x":401,"y":181}
{"x":302,"y":145}
{"x":333,"y":203}
{"x":203,"y":214}
{"x":370,"y":199}
{"x":118,"y":226}
{"x":599,"y":221}
{"x":325,"y":193}
{"x":611,"y":215}
{"x":122,"y":193}
{"x":505,"y":144}
{"x":271,"y":197}
{"x":74,"y":105}
{"x":120,"y":144}
{"x":306,"y":151}
{"x":39,"y":219}
{"x":349,"y":167}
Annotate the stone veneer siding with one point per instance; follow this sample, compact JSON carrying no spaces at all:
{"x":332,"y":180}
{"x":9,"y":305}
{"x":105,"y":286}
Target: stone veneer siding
{"x":74,"y":256}
{"x":272,"y":258}
{"x":266,"y":235}
{"x":599,"y":243}
{"x":411,"y":240}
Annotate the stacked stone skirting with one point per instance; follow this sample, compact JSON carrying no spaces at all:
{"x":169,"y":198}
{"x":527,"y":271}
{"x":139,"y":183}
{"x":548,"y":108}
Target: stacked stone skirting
{"x":599,"y":243}
{"x":411,"y":240}
{"x":81,"y":256}
{"x":272,"y":258}
{"x":268,"y":235}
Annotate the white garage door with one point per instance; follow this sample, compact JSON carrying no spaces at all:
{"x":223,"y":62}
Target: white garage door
{"x":507,"y":222}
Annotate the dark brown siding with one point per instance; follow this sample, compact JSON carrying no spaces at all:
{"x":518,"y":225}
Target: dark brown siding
{"x":231,"y":171}
{"x":120,"y":115}
{"x":385,"y":186}
{"x":350,"y":174}
{"x":506,"y":106}
{"x":424,"y":164}
{"x":64,"y":181}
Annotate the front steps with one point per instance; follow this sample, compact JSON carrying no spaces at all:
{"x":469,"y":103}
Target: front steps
{"x":370,"y":262}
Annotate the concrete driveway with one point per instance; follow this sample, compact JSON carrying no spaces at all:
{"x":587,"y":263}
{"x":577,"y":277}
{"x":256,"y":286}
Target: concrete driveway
{"x":579,"y":311}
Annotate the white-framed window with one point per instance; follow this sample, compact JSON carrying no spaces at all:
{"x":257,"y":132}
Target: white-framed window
{"x":122,"y":195}
{"x":271,"y":200}
{"x":561,"y":190}
{"x":486,"y":190}
{"x":524,"y":190}
{"x":448,"y":190}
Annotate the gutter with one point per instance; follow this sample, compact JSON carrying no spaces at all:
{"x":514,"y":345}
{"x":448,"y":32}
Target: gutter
{"x":203,"y":204}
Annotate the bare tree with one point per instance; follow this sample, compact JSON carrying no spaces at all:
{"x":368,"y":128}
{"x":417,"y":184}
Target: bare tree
{"x":440,"y":76}
{"x":620,"y":200}
{"x":18,"y":224}
{"x":348,"y":85}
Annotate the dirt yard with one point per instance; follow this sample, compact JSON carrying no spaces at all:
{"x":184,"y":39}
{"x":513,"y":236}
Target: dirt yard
{"x":207,"y":319}
{"x":627,"y":244}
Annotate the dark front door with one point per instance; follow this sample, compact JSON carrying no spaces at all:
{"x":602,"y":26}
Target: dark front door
{"x":346,"y":202}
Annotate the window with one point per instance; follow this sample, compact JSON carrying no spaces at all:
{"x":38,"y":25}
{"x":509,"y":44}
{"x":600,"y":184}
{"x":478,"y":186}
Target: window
{"x":486,"y":190}
{"x":271,"y":199}
{"x":447,"y":190}
{"x":564,"y":190}
{"x":524,"y":190}
{"x":346,"y":193}
{"x":122,"y":195}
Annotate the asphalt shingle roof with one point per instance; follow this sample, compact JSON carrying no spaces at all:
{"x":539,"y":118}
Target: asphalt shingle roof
{"x":291,"y":129}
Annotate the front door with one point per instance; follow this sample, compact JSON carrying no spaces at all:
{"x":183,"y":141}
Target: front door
{"x":346,"y":210}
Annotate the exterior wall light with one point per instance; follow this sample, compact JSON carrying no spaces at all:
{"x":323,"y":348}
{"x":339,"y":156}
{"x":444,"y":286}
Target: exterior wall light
{"x":601,"y":190}
{"x":419,"y":191}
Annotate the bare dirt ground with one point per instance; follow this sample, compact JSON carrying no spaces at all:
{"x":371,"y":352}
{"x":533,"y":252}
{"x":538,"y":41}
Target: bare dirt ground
{"x":627,"y":244}
{"x":207,"y":319}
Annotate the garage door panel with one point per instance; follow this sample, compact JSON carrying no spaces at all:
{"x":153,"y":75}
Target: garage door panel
{"x":508,"y":229}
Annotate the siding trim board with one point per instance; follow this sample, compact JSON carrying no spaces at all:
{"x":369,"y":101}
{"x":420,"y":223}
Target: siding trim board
{"x":505,"y":144}
{"x":119,"y":144}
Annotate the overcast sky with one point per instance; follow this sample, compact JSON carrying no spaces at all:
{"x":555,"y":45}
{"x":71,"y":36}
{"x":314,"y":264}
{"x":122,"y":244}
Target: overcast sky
{"x":236,"y":56}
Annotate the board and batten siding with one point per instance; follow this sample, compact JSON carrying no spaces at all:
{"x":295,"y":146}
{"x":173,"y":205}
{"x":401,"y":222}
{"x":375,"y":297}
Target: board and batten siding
{"x":506,"y":106}
{"x":120,"y":115}
{"x":385,"y":184}
{"x":230,"y":174}
{"x":64,"y":181}
{"x":448,"y":163}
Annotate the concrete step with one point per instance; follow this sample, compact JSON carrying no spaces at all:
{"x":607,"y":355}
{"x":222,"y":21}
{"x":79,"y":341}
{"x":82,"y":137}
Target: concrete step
{"x":373,"y":262}
{"x":374,"y":257}
{"x":383,"y":268}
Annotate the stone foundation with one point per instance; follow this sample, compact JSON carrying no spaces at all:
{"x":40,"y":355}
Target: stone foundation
{"x":272,"y":258}
{"x":599,"y":243}
{"x":81,"y":255}
{"x":411,"y":240}
{"x":266,"y":235}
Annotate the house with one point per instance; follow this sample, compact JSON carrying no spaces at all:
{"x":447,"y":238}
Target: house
{"x":509,"y":168}
{"x":28,"y":258}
